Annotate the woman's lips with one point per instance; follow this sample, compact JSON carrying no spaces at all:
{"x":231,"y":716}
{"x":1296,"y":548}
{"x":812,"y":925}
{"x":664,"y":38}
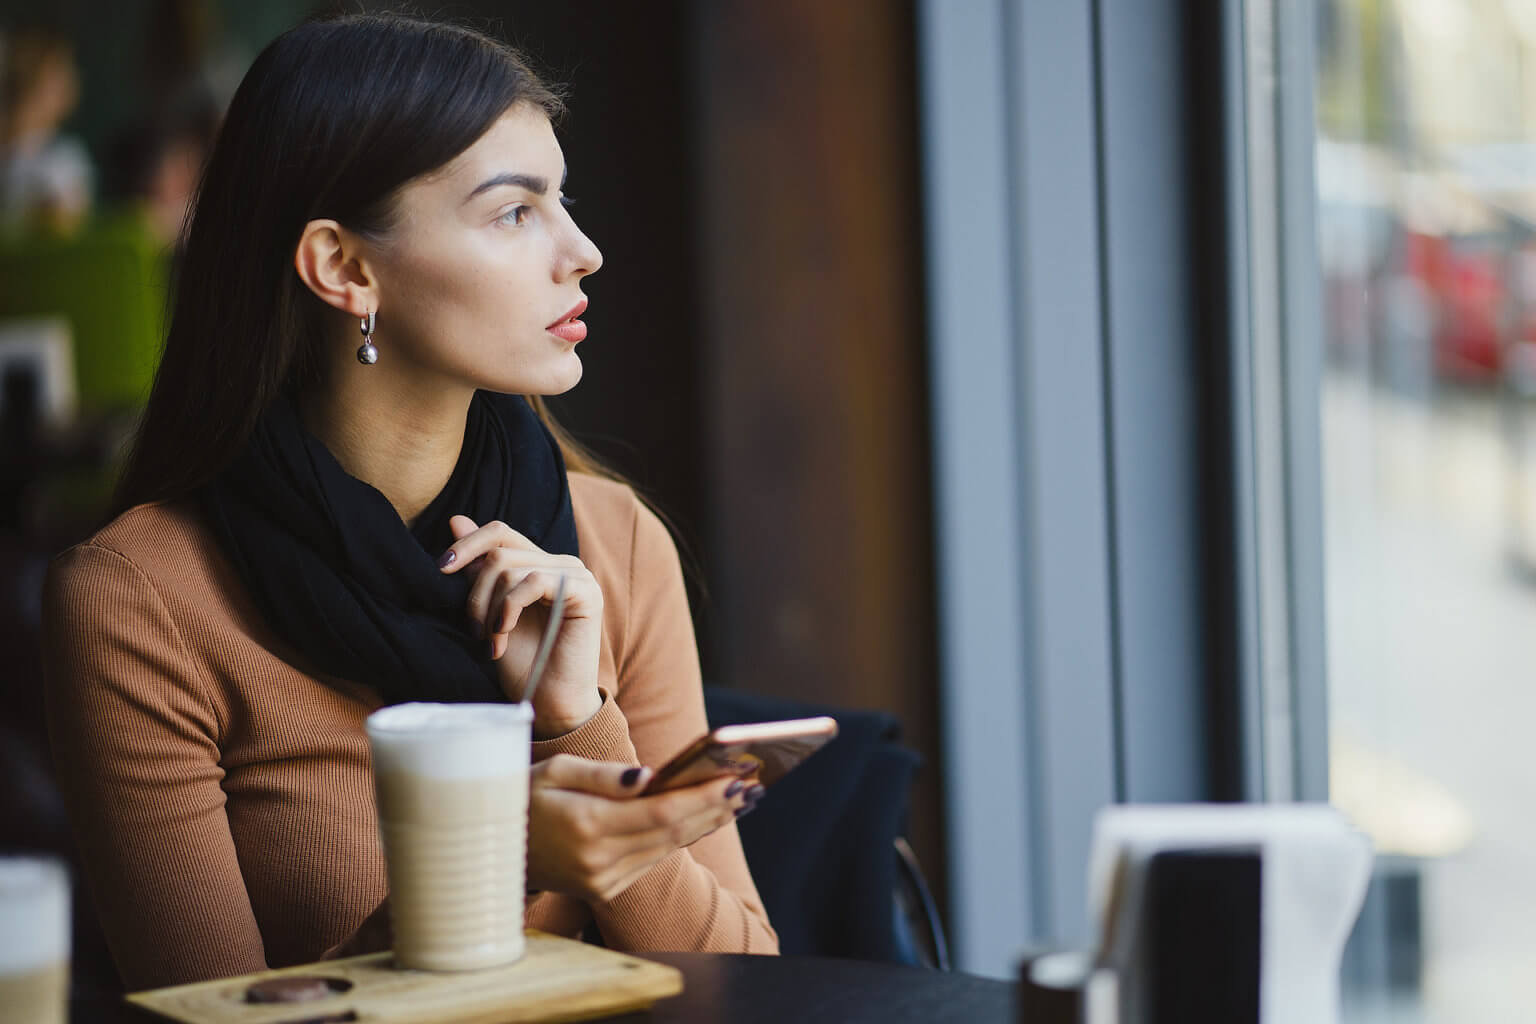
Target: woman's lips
{"x":571,"y":330}
{"x":568,"y":327}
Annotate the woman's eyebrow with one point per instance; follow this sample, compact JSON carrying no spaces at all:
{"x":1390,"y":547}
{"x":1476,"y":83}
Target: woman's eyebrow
{"x":534,"y":183}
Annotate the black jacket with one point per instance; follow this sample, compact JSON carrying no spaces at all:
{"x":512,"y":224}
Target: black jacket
{"x":820,"y":843}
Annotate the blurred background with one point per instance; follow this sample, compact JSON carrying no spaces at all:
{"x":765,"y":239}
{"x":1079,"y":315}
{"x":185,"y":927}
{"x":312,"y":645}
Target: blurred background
{"x":1137,"y":398}
{"x":1426,"y":184}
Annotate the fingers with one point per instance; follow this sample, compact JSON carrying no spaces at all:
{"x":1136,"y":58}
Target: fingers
{"x":591,"y":835}
{"x":497,"y":600}
{"x":600,"y":778}
{"x":461,"y":526}
{"x":643,"y":850}
{"x":471,"y":542}
{"x":665,"y":810}
{"x":689,"y":830}
{"x":508,"y":586}
{"x":508,"y":579}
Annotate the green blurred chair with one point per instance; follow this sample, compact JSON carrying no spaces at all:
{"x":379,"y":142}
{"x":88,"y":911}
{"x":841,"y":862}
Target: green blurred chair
{"x":109,"y":281}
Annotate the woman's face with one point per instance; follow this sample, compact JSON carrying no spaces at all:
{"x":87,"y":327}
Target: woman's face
{"x":483,"y":263}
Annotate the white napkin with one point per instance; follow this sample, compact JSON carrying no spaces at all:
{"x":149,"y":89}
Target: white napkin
{"x":1316,"y":867}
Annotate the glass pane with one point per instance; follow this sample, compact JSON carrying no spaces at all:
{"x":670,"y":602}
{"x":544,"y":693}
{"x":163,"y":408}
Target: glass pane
{"x":1426,"y":180}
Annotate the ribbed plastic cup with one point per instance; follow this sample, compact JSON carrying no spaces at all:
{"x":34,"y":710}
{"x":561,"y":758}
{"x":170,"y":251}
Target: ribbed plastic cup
{"x":34,"y":941}
{"x":451,"y":781}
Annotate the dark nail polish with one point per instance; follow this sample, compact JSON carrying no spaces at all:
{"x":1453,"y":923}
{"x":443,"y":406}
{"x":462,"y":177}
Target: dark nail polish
{"x":756,"y":793}
{"x":744,"y":810}
{"x":734,"y":788}
{"x":630,"y":777}
{"x":447,"y":559}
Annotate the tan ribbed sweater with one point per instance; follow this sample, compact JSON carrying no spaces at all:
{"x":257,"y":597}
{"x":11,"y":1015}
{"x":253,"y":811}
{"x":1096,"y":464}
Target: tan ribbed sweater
{"x":221,"y":793}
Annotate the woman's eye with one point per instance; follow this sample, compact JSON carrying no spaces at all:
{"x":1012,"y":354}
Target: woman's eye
{"x":515,"y":216}
{"x":567,"y":202}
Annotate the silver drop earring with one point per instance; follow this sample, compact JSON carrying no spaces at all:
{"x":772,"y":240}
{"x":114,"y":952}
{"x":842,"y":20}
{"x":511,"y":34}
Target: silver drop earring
{"x":366,"y":353}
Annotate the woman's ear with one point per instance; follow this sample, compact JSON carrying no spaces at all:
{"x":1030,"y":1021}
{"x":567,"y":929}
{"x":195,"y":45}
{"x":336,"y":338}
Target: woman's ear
{"x":330,"y":265}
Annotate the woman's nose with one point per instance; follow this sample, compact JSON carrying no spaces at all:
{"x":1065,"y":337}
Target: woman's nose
{"x":586,"y":258}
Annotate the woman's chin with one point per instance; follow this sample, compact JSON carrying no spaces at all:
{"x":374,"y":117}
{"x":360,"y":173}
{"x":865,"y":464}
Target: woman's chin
{"x":557,"y":380}
{"x":568,"y":376}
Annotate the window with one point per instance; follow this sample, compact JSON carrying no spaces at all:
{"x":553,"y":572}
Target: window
{"x":1425,"y":189}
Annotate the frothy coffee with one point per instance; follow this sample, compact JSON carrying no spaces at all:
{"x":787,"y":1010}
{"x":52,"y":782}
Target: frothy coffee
{"x":451,"y":782}
{"x":34,"y":941}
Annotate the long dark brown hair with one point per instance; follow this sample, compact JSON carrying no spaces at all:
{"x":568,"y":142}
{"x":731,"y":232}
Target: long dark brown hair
{"x":332,"y":119}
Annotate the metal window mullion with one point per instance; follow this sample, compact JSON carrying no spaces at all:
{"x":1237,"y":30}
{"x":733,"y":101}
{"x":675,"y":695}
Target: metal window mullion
{"x":1151,"y":397}
{"x":1241,"y":386}
{"x":1065,"y":440}
{"x":1267,"y":390}
{"x":1276,"y":381}
{"x":1301,"y":291}
{"x":978,"y":468}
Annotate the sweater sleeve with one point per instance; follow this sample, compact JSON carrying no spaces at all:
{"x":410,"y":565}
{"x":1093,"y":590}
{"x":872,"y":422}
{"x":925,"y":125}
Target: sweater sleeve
{"x":701,"y":898}
{"x":135,"y":744}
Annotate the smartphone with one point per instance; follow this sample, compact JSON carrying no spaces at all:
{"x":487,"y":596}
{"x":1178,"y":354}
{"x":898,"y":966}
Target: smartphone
{"x":765,"y":749}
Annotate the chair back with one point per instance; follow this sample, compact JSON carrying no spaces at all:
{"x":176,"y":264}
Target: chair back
{"x":110,"y":282}
{"x":822,"y":845}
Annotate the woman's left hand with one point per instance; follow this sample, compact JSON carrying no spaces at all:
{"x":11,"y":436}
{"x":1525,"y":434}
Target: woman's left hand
{"x":513,"y":586}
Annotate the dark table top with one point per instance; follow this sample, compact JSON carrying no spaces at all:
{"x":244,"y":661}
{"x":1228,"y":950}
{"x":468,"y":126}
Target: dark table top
{"x":740,"y":989}
{"x":720,"y":988}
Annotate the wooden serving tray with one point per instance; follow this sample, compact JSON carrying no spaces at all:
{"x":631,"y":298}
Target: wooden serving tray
{"x":556,"y":980}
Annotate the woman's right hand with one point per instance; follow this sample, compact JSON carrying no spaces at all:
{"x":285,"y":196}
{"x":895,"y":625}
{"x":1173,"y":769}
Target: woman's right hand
{"x":591,"y":835}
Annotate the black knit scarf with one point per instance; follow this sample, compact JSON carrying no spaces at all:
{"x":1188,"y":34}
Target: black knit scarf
{"x":340,"y":577}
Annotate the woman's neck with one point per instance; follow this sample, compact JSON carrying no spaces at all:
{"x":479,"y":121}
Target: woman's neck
{"x":404,"y":443}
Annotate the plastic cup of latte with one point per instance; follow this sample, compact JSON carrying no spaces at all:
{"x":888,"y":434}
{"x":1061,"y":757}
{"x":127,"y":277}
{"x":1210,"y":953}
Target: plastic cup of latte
{"x":451,"y":782}
{"x":34,"y":941}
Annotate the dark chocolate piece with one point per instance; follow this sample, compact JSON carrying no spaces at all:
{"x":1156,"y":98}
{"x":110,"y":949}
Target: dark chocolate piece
{"x":290,"y":989}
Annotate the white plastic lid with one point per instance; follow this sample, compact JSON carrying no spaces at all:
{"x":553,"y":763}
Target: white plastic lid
{"x":34,"y":913}
{"x":451,"y":741}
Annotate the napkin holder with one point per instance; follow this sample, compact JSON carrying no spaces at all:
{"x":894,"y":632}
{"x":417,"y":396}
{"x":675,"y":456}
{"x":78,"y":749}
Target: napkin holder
{"x":1231,"y":913}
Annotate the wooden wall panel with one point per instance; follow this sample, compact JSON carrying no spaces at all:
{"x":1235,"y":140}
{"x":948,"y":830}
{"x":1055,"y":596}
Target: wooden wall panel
{"x":813,"y":362}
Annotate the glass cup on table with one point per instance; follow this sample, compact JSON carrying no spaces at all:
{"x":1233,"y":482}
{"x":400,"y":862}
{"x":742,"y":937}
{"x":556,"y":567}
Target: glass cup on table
{"x":34,"y":940}
{"x":451,"y":781}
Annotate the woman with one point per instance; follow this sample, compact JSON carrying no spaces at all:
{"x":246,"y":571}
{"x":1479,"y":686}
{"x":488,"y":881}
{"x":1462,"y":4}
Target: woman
{"x":311,"y":527}
{"x":46,"y":178}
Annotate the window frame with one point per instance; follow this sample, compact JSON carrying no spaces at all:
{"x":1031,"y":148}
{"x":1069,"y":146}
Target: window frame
{"x":1125,"y":363}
